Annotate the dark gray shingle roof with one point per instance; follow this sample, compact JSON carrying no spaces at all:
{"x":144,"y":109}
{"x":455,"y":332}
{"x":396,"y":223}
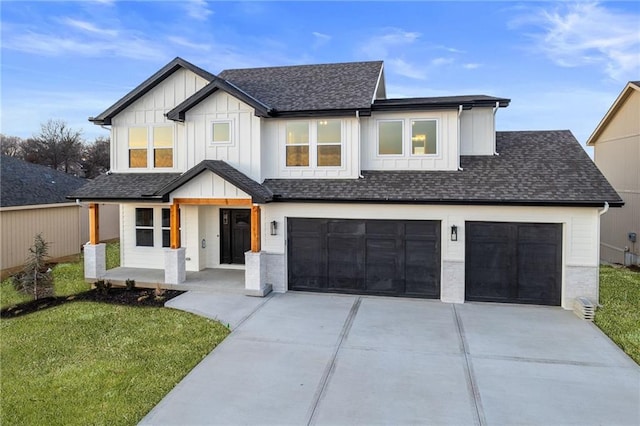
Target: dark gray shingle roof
{"x":533,"y":168}
{"x":349,"y":85}
{"x":125,"y":186}
{"x":25,"y":184}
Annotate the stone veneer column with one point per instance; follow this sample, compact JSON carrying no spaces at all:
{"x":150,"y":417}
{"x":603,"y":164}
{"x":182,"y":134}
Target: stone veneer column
{"x":95,"y":260}
{"x":255,"y":274}
{"x":175,"y":267}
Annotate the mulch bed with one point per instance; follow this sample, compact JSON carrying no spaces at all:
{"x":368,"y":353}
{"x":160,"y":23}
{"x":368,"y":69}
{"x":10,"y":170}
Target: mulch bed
{"x":120,"y":296}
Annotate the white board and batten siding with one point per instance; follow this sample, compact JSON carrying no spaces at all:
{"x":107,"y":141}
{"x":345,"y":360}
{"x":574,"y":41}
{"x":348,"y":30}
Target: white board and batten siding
{"x":242,"y":152}
{"x":150,"y":110}
{"x":208,"y":185}
{"x":445,"y":158}
{"x":477,"y":132}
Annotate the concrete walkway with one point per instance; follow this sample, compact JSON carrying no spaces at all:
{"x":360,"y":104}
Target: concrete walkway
{"x":300,"y":358}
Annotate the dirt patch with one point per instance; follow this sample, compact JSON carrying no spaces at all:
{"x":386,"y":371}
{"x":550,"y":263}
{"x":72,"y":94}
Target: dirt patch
{"x":120,"y":296}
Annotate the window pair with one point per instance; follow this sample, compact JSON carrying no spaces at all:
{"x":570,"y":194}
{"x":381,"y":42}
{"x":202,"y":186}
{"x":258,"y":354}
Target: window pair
{"x":145,"y":229}
{"x":391,"y":137}
{"x":327,"y":139}
{"x":161,"y":143}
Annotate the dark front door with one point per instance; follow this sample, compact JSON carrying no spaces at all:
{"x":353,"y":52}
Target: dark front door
{"x":513,"y":262}
{"x":235,"y":235}
{"x":385,"y":257}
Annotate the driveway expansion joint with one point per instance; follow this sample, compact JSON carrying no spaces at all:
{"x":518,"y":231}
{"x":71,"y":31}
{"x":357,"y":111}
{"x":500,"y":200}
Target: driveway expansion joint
{"x":471,"y":381}
{"x":332,"y":362}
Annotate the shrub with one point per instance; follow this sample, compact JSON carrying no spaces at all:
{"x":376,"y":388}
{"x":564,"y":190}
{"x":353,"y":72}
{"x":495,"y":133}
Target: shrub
{"x":36,"y":278}
{"x":103,"y":286}
{"x":131,"y":284}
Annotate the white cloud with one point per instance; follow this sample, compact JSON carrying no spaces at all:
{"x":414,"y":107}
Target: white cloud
{"x":471,"y":66}
{"x":320,"y":39}
{"x":198,"y":9}
{"x":587,"y":34}
{"x":89,"y":27}
{"x":183,"y":42}
{"x":438,"y":62}
{"x":379,"y":46}
{"x":401,"y":67}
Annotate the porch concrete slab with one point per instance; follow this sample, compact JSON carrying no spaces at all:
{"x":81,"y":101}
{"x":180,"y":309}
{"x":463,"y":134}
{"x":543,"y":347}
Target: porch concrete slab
{"x":299,"y":318}
{"x":536,"y":332}
{"x":416,"y":325}
{"x":534,"y":393}
{"x":396,"y":387}
{"x":215,"y":280}
{"x":246,"y":382}
{"x":229,"y":309}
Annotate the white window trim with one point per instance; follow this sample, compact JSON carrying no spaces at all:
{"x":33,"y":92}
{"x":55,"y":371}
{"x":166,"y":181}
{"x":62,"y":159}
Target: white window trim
{"x":136,"y":227}
{"x":435,"y":154}
{"x":377,"y":130}
{"x":231,"y":132}
{"x":313,"y":146}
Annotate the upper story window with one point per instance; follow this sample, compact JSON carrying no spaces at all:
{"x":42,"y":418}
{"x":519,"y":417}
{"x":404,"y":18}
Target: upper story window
{"x":423,"y":137}
{"x":390,"y":136}
{"x":329,"y":143}
{"x":159,"y":138}
{"x":221,"y":132}
{"x":297,"y":143}
{"x":138,"y":147}
{"x":313,"y":143}
{"x":391,"y":139}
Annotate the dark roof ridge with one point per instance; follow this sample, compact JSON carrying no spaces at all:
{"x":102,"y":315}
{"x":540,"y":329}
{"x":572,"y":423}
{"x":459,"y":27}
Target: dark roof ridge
{"x":303,"y":65}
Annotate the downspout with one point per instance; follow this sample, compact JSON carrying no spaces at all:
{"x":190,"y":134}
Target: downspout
{"x":459,"y":136}
{"x":605,"y":209}
{"x":495,"y":109}
{"x":359,"y":146}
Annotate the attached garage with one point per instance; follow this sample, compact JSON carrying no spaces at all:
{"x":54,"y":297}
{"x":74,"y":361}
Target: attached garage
{"x":513,"y":262}
{"x":382,"y":257}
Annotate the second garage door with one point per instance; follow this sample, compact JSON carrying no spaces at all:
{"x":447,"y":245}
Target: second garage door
{"x":513,"y":262}
{"x":384,"y":257}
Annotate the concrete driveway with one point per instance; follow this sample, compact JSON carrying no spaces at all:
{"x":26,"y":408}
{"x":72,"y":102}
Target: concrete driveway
{"x":299,"y":358}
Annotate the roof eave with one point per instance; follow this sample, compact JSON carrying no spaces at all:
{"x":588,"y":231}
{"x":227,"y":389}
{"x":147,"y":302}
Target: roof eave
{"x":534,"y":203}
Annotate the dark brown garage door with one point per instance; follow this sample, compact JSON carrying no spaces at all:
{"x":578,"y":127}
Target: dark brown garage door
{"x":513,"y":262}
{"x":384,"y":257}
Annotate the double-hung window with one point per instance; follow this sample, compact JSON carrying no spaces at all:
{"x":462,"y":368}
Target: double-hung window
{"x":329,"y":134}
{"x":138,"y":144}
{"x":297,"y":143}
{"x":144,"y":227}
{"x":163,"y":147}
{"x":166,"y":227}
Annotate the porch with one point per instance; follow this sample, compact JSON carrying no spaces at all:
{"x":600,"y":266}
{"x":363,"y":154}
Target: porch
{"x":211,"y":280}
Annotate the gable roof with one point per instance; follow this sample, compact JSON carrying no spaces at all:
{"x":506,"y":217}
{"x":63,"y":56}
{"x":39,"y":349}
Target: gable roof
{"x":258,"y":193}
{"x":164,"y":72}
{"x":545,"y":168}
{"x":157,"y":187}
{"x":27,"y":184}
{"x":611,"y":113}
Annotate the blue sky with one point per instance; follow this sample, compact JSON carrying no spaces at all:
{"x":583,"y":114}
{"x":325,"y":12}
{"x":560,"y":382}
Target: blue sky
{"x":561,"y":63}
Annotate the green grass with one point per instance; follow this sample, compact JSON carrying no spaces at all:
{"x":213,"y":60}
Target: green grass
{"x":68,"y":279}
{"x":619,"y":316}
{"x":88,"y":363}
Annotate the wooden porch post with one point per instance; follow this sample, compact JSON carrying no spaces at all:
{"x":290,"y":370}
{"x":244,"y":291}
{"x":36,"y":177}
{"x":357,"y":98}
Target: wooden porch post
{"x":174,"y":220}
{"x":94,"y":224}
{"x":255,"y":228}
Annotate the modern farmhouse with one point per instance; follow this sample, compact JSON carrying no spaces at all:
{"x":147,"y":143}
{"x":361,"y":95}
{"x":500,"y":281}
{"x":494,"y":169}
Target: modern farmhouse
{"x":310,"y":178}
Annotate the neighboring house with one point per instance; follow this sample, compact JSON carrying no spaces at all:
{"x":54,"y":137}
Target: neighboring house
{"x":309,"y":178}
{"x":616,"y":145}
{"x":32,"y":201}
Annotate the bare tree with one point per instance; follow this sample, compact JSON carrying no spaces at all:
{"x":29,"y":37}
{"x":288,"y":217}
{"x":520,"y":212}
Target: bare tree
{"x":57,"y":146}
{"x":96,"y":158}
{"x":10,"y":145}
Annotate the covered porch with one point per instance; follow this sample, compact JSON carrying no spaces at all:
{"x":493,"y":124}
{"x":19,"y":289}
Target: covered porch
{"x":214,"y":280}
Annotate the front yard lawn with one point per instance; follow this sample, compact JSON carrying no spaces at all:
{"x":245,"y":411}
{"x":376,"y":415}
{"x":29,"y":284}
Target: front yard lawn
{"x":92,"y":363}
{"x":619,"y":316}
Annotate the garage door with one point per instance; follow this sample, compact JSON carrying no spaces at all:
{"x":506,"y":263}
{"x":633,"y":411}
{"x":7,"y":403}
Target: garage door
{"x":513,"y":262}
{"x":384,"y":257}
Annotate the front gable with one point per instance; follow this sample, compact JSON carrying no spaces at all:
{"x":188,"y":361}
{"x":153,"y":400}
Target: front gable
{"x":208,"y":185}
